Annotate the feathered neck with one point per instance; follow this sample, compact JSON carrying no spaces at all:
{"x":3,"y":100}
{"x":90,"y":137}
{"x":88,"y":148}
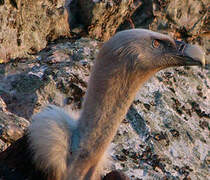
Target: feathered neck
{"x":109,"y":95}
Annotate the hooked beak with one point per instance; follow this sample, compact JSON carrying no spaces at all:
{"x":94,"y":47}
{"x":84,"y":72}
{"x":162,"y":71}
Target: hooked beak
{"x":192,"y":55}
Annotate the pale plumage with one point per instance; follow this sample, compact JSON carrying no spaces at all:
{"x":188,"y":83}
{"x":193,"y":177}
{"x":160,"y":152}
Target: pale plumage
{"x":63,"y":148}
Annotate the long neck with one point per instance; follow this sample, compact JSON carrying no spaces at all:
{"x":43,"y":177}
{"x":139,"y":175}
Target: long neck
{"x":108,"y":98}
{"x":104,"y":108}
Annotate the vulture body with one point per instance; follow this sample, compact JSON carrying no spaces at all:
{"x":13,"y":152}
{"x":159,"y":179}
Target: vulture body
{"x":57,"y":147}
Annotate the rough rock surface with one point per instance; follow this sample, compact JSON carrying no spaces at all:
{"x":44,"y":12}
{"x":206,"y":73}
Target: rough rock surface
{"x":58,"y":75}
{"x":186,"y":20}
{"x":27,"y":26}
{"x":102,"y":18}
{"x":170,"y":118}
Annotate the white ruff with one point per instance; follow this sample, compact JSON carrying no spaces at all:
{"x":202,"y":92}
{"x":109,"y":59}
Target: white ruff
{"x":49,"y":136}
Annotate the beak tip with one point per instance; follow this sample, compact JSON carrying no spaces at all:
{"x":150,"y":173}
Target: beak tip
{"x":203,"y":61}
{"x":196,"y":53}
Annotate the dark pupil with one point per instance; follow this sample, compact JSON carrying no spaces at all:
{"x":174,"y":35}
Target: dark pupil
{"x":156,"y":43}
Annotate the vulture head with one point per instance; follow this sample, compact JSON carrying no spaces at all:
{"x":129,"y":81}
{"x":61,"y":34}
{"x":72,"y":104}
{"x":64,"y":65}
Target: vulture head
{"x":142,"y":49}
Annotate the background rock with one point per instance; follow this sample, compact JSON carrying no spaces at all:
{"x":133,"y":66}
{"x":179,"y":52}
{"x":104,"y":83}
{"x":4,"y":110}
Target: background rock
{"x":170,"y":118}
{"x":102,"y":18}
{"x":27,"y":26}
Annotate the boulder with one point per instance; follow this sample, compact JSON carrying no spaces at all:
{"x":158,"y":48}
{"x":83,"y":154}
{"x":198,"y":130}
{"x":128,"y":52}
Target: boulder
{"x":27,"y":26}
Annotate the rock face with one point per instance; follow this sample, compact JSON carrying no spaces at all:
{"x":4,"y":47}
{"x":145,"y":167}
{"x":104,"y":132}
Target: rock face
{"x":27,"y":26}
{"x":58,"y":75}
{"x":187,"y":20}
{"x":166,"y":132}
{"x":102,"y":18}
{"x":170,"y":119}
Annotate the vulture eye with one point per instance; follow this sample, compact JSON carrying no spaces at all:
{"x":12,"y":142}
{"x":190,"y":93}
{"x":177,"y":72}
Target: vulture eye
{"x":155,"y":43}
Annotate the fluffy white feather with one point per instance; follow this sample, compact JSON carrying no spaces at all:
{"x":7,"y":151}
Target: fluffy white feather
{"x":50,"y":139}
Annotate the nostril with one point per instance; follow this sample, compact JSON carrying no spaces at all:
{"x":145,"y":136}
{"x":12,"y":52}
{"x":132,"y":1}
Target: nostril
{"x":181,"y":47}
